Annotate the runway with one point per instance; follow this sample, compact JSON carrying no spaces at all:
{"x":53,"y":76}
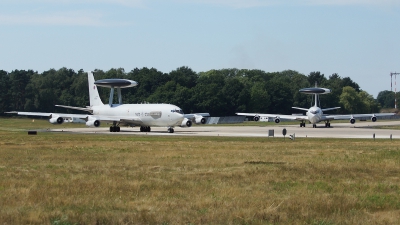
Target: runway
{"x":337,"y":130}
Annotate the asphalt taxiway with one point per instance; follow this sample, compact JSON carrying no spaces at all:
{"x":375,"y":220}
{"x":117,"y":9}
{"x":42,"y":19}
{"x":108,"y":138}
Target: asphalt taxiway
{"x":337,"y":130}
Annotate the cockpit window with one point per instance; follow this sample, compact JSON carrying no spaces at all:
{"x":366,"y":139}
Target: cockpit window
{"x":314,"y":111}
{"x":180,"y":111}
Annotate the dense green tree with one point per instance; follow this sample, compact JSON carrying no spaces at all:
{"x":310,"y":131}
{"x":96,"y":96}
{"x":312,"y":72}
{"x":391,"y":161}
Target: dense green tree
{"x":149,"y":80}
{"x":370,"y":105}
{"x":350,"y":100}
{"x":386,"y":99}
{"x":281,"y":97}
{"x":208,"y":96}
{"x":79,"y":89}
{"x":220,"y":92}
{"x":235,"y":96}
{"x":4,"y":96}
{"x":316,"y":78}
{"x":260,"y":99}
{"x":184,"y":76}
{"x":19,"y":79}
{"x":347,"y":81}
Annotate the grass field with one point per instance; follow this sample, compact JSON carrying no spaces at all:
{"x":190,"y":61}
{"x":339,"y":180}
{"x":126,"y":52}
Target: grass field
{"x":60,"y":178}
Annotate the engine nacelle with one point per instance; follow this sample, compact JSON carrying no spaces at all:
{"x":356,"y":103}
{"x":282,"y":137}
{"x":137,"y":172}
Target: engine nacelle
{"x":200,"y":120}
{"x":93,"y":123}
{"x":256,"y":118}
{"x":56,"y":120}
{"x":186,"y":123}
{"x":373,"y":118}
{"x":277,"y":120}
{"x":352,"y":120}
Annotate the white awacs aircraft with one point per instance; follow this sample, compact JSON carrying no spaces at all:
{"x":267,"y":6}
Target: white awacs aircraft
{"x":143,"y":115}
{"x":315,"y":114}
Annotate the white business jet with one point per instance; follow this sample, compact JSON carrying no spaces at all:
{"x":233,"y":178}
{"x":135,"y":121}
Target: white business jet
{"x":315,"y":114}
{"x":143,"y":115}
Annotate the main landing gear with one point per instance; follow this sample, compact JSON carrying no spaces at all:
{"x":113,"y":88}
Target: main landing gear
{"x":115,"y":127}
{"x":145,"y":129}
{"x":327,"y":124}
{"x":148,"y":129}
{"x":303,"y":124}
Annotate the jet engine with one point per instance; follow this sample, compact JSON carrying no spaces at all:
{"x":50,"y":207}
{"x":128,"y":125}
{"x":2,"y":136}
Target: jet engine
{"x":352,"y":120}
{"x":256,"y":118}
{"x":56,"y":120}
{"x":373,"y":118}
{"x":93,"y":123}
{"x":200,"y":120}
{"x":186,"y":123}
{"x":277,"y":120}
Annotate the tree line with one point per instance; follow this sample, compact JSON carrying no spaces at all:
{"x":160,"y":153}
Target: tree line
{"x":219,"y":92}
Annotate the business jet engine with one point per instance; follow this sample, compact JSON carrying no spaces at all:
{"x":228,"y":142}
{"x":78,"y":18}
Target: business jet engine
{"x":256,"y":118}
{"x":92,"y":122}
{"x":277,"y":120}
{"x":200,"y":120}
{"x":373,"y":118}
{"x":56,"y":120}
{"x":352,"y":120}
{"x":186,"y":123}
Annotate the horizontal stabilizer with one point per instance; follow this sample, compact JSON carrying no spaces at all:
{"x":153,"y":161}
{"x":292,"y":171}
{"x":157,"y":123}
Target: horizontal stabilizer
{"x":300,"y":108}
{"x":323,"y":110}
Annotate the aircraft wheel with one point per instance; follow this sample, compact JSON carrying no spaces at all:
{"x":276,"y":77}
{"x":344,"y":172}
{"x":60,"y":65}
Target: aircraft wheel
{"x":149,"y":129}
{"x":118,"y":129}
{"x":171,"y":130}
{"x":314,"y":126}
{"x":111,"y":129}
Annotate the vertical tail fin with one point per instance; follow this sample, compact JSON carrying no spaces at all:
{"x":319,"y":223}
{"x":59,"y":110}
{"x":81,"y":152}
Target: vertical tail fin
{"x":94,"y":96}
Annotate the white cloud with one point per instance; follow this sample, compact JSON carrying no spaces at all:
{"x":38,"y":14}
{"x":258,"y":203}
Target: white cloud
{"x":234,"y":3}
{"x":130,"y":3}
{"x":353,"y":2}
{"x":71,"y":18}
{"x":264,"y":3}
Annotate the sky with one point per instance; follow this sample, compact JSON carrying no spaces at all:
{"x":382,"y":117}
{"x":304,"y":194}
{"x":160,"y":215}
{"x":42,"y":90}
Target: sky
{"x":359,"y":39}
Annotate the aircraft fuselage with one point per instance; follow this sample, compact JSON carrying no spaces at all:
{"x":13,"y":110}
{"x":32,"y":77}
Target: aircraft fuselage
{"x":162,"y":115}
{"x":314,"y":114}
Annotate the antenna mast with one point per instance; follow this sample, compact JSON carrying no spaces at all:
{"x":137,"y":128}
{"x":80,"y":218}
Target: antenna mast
{"x":395,"y":86}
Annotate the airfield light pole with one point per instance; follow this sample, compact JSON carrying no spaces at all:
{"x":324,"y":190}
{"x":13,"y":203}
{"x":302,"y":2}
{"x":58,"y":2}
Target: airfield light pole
{"x":395,"y":86}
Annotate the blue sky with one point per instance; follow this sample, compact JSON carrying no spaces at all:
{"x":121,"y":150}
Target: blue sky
{"x":359,"y":39}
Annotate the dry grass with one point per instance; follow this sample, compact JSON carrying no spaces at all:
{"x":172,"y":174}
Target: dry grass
{"x":54,"y":178}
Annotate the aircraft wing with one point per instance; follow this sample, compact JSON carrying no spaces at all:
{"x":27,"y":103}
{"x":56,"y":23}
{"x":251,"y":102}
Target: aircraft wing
{"x":196,"y":114}
{"x":287,"y":117}
{"x":198,"y":118}
{"x":50,"y":115}
{"x":351,"y":116}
